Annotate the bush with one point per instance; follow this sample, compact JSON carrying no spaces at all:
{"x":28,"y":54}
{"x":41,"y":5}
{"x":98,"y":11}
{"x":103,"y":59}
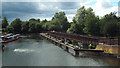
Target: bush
{"x":91,"y":46}
{"x":62,"y":40}
{"x":69,"y":41}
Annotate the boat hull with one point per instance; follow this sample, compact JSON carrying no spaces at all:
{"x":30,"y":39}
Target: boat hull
{"x":11,"y":40}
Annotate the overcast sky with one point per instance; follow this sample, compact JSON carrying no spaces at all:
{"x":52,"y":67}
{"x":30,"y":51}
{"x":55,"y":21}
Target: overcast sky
{"x":46,"y":10}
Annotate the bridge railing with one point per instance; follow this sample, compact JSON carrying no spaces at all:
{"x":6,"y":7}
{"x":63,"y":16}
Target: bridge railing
{"x":76,"y":37}
{"x":88,"y":39}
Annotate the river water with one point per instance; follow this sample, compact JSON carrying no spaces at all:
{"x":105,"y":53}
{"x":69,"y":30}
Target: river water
{"x":40,"y":52}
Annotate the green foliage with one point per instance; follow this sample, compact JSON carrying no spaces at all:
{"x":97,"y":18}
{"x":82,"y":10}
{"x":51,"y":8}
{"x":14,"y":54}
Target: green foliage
{"x":16,"y":24}
{"x":118,"y":29}
{"x":44,"y":24}
{"x":91,"y":46}
{"x":69,"y":41}
{"x":86,"y":22}
{"x":59,"y":22}
{"x":4,"y":22}
{"x":54,"y":25}
{"x":75,"y":28}
{"x":32,"y":27}
{"x":80,"y":19}
{"x":34,"y":20}
{"x":92,"y":25}
{"x":38,"y":27}
{"x":25,"y":27}
{"x":109,"y":25}
{"x":9,"y":29}
{"x":111,"y":29}
{"x":81,"y":15}
{"x":79,"y":43}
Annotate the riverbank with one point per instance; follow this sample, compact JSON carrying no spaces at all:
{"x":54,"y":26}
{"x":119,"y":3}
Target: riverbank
{"x":112,"y":50}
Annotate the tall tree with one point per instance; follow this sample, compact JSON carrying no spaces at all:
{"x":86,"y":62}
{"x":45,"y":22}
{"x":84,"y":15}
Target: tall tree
{"x":75,"y":28}
{"x":54,"y":25}
{"x":44,"y":25}
{"x":16,"y":24}
{"x":25,"y":27}
{"x":32,"y":28}
{"x":80,"y":18}
{"x":61,"y":20}
{"x":81,"y":15}
{"x":9,"y":29}
{"x":38,"y":28}
{"x":109,"y":25}
{"x":4,"y":22}
{"x":92,"y":25}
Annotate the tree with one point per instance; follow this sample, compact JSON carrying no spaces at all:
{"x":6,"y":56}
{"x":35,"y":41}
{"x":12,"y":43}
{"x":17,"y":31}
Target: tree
{"x":4,"y":22}
{"x":55,"y":25}
{"x":75,"y":28}
{"x":16,"y":24}
{"x":44,"y":25}
{"x":118,"y":29}
{"x":0,"y":24}
{"x":32,"y":28}
{"x":60,"y":22}
{"x":80,"y":18}
{"x":38,"y":27}
{"x":92,"y":25}
{"x":9,"y":29}
{"x":108,"y":25}
{"x":111,"y":29}
{"x":34,"y":20}
{"x":25,"y":27}
{"x":81,"y":15}
{"x":72,"y":28}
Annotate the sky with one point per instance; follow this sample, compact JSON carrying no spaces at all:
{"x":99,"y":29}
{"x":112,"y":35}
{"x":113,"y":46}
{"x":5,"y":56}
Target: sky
{"x":45,"y":9}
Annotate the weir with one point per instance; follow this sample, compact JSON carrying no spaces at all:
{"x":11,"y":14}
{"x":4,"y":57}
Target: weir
{"x":67,"y":47}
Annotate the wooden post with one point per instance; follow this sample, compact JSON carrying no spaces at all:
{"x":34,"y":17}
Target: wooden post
{"x":67,"y":49}
{"x":65,"y":40}
{"x":60,"y":45}
{"x":76,"y":53}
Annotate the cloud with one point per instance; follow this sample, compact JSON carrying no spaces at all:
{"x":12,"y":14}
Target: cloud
{"x":70,"y":17}
{"x":119,"y":9}
{"x":69,"y":5}
{"x":42,"y":10}
{"x":14,"y":10}
{"x":23,"y":7}
{"x":44,"y":0}
{"x":102,"y":7}
{"x":107,"y":5}
{"x":0,"y":9}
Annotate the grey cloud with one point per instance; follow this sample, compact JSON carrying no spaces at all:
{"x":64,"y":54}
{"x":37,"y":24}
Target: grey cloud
{"x":69,"y":5}
{"x":25,"y":7}
{"x":26,"y":10}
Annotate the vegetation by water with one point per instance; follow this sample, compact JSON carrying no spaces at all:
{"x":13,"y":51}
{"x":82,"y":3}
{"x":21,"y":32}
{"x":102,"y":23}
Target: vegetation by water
{"x":84,"y":22}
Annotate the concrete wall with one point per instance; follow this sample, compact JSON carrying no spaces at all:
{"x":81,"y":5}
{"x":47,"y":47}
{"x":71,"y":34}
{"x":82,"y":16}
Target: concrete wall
{"x":113,"y":49}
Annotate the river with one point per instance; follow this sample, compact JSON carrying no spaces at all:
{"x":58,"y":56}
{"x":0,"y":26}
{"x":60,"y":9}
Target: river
{"x":40,"y":52}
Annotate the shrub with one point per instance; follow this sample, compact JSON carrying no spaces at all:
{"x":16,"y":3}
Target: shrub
{"x":91,"y":46}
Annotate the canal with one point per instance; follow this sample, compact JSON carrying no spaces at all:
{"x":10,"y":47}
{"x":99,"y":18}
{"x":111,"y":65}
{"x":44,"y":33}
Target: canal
{"x":32,"y":51}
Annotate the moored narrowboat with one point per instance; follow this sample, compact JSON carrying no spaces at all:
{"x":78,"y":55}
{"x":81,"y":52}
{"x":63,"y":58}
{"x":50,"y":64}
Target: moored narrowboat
{"x":10,"y":37}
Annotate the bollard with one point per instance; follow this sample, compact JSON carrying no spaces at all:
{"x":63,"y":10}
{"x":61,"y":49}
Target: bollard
{"x":76,"y":53}
{"x":67,"y":49}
